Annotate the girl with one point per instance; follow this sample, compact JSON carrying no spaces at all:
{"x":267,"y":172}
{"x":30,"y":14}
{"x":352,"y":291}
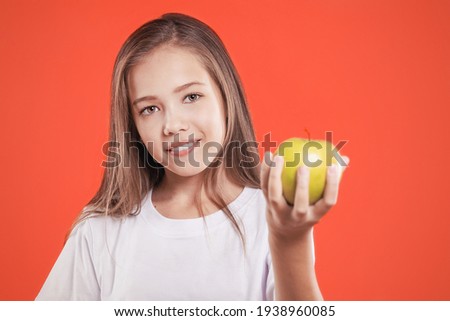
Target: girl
{"x":182,"y":214}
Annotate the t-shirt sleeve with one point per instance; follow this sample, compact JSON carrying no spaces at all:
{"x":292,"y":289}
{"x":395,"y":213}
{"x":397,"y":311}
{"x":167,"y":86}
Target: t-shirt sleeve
{"x":73,"y":275}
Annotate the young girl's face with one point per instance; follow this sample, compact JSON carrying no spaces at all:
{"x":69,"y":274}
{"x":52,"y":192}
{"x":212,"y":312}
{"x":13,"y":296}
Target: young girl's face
{"x":176,"y":103}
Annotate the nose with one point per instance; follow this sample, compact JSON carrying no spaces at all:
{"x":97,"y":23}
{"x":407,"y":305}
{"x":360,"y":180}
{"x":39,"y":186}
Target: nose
{"x":174,"y":123}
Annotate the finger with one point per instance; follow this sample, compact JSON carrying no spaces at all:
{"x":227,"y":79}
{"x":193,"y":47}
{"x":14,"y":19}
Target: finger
{"x":344,"y":166}
{"x":331,"y":192}
{"x":301,"y":200}
{"x":346,"y":160}
{"x":264,"y":176}
{"x":275,"y":188}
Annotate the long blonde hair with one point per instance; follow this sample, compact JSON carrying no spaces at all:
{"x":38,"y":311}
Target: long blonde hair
{"x":124,"y":187}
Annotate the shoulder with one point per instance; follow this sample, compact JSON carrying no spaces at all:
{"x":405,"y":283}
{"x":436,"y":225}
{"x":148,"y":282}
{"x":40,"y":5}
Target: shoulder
{"x":255,"y":197}
{"x":97,"y":225}
{"x":253,"y":209}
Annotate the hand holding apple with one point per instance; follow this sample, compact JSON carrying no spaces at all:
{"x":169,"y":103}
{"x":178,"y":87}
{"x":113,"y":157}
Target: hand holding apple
{"x":291,"y":225}
{"x":316,"y":155}
{"x":292,"y":209}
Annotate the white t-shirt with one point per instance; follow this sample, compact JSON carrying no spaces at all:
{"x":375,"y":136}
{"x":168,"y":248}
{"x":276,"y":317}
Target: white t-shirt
{"x":152,"y":257}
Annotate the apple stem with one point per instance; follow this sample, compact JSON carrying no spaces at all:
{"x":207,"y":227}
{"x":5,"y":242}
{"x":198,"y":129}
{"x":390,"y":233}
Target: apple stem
{"x":309,"y":135}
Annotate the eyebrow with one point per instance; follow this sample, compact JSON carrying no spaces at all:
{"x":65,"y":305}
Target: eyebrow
{"x":176,"y":90}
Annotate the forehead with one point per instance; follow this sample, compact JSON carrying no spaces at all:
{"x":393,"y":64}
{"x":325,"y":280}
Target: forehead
{"x":164,"y":69}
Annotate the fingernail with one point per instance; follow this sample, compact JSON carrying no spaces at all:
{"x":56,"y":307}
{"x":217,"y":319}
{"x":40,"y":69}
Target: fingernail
{"x":333,"y":169}
{"x":346,"y":160}
{"x":278,"y":159}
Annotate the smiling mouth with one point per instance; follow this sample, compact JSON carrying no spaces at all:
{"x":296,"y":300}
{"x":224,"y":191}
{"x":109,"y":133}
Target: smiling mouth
{"x":184,"y":147}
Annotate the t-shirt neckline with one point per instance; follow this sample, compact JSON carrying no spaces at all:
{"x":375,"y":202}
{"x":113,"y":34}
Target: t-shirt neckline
{"x":165,"y":226}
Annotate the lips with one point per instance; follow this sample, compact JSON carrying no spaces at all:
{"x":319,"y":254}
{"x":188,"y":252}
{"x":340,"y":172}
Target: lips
{"x":183,"y":145}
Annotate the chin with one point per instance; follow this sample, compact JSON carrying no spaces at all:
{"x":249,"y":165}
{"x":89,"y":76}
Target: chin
{"x":188,"y":171}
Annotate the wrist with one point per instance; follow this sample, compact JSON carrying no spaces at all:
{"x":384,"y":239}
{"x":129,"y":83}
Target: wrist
{"x":290,"y":237}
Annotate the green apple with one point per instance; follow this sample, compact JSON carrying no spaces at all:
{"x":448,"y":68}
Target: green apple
{"x":304,"y":152}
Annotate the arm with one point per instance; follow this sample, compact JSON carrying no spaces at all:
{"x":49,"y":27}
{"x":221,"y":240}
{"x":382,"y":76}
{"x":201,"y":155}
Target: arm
{"x":293,"y":264}
{"x":290,"y":231}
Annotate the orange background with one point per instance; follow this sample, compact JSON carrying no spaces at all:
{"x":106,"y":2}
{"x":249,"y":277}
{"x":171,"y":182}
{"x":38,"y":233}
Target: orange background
{"x":376,"y":73}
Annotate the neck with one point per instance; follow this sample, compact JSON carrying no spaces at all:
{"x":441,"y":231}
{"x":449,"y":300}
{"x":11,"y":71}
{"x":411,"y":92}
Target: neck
{"x":184,"y":189}
{"x":176,"y":185}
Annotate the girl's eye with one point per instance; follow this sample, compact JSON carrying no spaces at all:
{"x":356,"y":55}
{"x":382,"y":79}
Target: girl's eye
{"x":148,"y":110}
{"x":192,"y":97}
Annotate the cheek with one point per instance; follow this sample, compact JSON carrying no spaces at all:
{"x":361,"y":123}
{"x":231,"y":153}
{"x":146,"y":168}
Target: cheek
{"x":214,"y":126}
{"x":213,"y":120}
{"x":145,"y":130}
{"x":149,"y":137}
